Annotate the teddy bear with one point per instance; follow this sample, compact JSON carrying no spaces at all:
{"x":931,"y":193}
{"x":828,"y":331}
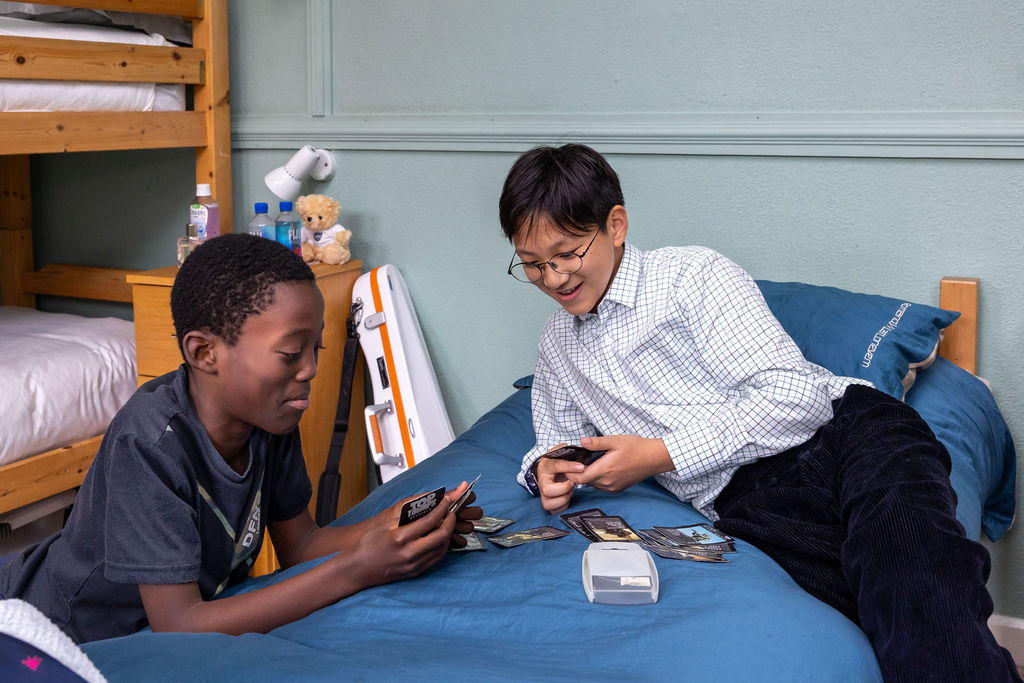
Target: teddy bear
{"x":323,"y":237}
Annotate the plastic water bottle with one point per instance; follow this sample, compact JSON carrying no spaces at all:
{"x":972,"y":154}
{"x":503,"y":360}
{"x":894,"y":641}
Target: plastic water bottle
{"x":261,"y":225}
{"x":204,"y":213}
{"x":287,"y":228}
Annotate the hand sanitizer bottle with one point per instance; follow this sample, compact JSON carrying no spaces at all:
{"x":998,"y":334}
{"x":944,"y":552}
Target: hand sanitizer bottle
{"x":204,"y":212}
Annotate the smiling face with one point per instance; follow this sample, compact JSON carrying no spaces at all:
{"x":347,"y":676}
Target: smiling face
{"x":580,"y":292}
{"x":263,"y":380}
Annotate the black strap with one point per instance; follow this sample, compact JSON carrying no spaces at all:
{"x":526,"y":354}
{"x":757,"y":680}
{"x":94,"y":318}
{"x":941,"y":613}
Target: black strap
{"x":330,"y":480}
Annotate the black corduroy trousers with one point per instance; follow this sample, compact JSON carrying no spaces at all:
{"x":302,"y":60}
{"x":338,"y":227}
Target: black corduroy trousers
{"x":863,"y":517}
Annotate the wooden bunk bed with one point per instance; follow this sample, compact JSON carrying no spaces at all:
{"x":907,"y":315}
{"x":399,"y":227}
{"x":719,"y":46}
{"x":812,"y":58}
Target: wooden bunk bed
{"x":206,"y":127}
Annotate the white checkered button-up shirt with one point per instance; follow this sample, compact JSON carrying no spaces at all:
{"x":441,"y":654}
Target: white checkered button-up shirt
{"x":683,"y":348}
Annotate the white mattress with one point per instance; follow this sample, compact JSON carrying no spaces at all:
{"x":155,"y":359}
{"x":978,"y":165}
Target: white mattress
{"x":62,"y":378}
{"x":33,"y":95}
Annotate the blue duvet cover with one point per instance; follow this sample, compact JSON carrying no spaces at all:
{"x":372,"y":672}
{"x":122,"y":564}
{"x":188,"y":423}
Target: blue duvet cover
{"x":521,"y":613}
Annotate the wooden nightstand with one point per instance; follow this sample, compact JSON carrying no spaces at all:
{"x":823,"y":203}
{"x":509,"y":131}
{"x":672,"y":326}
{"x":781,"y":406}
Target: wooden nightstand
{"x":156,"y":352}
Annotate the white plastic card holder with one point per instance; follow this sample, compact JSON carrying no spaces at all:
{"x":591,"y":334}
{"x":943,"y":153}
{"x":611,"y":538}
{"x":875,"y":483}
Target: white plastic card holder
{"x":619,"y":574}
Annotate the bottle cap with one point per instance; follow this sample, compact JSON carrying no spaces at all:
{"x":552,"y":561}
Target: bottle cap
{"x":203,"y":190}
{"x":261,"y":207}
{"x":191,"y":230}
{"x":286,"y":206}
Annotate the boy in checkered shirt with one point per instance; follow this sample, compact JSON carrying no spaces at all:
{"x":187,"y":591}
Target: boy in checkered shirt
{"x":672,"y":363}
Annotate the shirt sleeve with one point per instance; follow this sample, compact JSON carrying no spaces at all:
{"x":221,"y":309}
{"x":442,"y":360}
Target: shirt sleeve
{"x":556,"y":418}
{"x":775,"y":398}
{"x":151,"y":528}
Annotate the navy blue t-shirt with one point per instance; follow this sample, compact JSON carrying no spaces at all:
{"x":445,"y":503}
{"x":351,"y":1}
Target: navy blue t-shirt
{"x":159,"y":505}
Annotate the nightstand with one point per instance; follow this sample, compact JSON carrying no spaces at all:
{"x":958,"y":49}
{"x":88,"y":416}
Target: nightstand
{"x":156,"y":352}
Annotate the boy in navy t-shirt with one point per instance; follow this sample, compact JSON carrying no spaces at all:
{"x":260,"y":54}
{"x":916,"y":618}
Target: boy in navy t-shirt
{"x":199,"y":462}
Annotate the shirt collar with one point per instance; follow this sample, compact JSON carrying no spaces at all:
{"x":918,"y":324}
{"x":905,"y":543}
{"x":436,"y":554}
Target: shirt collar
{"x":624,"y":286}
{"x":623,"y":289}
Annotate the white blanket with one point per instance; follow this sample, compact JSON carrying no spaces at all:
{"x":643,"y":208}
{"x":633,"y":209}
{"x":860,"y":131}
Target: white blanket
{"x":62,"y":378}
{"x":33,"y":95}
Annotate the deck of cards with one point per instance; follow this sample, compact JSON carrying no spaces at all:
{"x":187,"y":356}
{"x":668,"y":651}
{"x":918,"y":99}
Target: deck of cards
{"x":695,"y":542}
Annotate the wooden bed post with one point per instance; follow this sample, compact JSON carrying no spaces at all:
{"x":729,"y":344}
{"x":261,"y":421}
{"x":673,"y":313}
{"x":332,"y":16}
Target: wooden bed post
{"x":213,"y":161}
{"x":15,"y":229}
{"x":960,"y":341}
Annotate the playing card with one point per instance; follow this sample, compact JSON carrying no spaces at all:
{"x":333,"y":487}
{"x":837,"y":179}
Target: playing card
{"x":489,"y":525}
{"x":473,"y":542}
{"x":652,"y":537}
{"x":461,"y":501}
{"x":665,"y":547}
{"x":417,"y":507}
{"x":683,"y":554}
{"x":611,"y":528}
{"x":704,"y":536}
{"x":514,"y":538}
{"x":574,"y":521}
{"x":574,"y":453}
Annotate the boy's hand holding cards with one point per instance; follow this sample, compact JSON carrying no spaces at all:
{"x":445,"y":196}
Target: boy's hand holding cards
{"x":422,"y":505}
{"x":464,"y":498}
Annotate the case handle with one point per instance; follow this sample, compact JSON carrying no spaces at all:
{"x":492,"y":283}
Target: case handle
{"x":373,"y":427}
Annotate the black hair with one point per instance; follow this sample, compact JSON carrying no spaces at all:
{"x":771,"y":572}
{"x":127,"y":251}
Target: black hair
{"x":226,"y":280}
{"x":573,"y":185}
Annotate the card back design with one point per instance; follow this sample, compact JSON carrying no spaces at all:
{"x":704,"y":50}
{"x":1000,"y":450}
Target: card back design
{"x":417,"y":507}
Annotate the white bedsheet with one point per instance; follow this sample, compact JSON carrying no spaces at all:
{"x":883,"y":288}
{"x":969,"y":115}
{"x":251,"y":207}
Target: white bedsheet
{"x":33,"y":95}
{"x":62,"y":378}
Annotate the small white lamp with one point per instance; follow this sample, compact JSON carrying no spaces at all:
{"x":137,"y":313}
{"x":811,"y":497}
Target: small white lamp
{"x":286,"y":181}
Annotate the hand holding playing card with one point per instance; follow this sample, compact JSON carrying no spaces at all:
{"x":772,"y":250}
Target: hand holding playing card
{"x":464,"y":515}
{"x":627,"y":461}
{"x":553,"y":483}
{"x":392,"y":552}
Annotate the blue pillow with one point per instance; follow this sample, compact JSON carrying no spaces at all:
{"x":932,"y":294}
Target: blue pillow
{"x":963,"y":414}
{"x":857,"y":335}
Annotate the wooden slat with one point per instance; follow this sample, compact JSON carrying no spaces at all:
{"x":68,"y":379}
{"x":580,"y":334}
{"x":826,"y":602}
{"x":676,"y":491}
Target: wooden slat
{"x":212,"y":100}
{"x":79,"y":60}
{"x":187,"y":9}
{"x":15,"y":229}
{"x":15,"y":260}
{"x":83,"y":282}
{"x":52,"y":132}
{"x":158,"y":276}
{"x":15,"y":192}
{"x":46,"y":474}
{"x":960,"y":340}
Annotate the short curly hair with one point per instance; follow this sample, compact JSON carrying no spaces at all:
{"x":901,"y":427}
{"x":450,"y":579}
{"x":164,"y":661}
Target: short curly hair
{"x":226,"y":280}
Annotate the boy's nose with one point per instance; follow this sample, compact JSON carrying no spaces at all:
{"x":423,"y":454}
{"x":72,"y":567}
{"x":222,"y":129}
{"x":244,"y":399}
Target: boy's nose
{"x":307,"y":369}
{"x":552,"y":278}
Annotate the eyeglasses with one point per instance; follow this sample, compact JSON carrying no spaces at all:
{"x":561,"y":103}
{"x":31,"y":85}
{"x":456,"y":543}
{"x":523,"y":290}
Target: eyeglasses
{"x":566,"y":263}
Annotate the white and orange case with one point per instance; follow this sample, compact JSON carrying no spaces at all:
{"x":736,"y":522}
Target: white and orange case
{"x":407,"y":421}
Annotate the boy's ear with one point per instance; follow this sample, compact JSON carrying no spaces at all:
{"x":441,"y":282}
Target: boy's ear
{"x":618,"y":224}
{"x":200,"y":350}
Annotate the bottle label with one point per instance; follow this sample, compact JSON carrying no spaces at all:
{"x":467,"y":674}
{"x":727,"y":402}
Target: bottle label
{"x":197,"y":214}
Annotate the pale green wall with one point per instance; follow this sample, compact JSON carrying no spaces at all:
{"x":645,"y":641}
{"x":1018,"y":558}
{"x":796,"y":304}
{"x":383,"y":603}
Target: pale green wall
{"x":774,"y":132}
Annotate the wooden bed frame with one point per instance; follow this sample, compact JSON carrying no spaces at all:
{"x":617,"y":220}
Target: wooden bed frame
{"x":206,"y":127}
